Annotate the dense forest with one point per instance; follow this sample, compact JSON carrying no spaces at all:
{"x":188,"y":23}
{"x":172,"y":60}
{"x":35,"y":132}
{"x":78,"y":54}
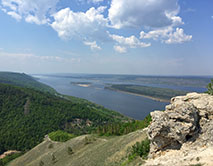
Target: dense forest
{"x":157,"y":93}
{"x":120,"y":128}
{"x":27,"y":115}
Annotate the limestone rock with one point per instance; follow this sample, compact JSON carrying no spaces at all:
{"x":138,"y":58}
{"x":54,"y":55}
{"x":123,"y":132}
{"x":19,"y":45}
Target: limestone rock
{"x":183,"y":120}
{"x":183,"y":133}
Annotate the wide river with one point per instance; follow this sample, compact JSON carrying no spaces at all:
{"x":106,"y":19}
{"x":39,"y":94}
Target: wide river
{"x":136,"y":107}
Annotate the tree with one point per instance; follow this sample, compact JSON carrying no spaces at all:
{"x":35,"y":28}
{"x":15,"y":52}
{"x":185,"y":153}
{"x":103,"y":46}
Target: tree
{"x":210,"y":87}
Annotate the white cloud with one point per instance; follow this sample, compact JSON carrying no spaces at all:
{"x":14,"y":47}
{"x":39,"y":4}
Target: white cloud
{"x":167,"y":35}
{"x":132,"y":41}
{"x":93,"y":45}
{"x":212,"y":17}
{"x":15,"y":15}
{"x":144,"y":13}
{"x":32,"y":11}
{"x":71,"y":24}
{"x":178,"y":37}
{"x":120,"y":49}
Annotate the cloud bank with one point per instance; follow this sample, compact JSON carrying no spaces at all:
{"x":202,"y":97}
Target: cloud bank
{"x":156,"y":20}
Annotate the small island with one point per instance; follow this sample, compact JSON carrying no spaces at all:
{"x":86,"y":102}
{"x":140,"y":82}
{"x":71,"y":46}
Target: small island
{"x":82,"y":84}
{"x":158,"y":94}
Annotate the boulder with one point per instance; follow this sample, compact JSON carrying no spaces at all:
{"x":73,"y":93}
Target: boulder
{"x":187,"y":119}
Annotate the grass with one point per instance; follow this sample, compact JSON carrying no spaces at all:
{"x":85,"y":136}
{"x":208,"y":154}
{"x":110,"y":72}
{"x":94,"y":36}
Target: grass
{"x":87,"y":150}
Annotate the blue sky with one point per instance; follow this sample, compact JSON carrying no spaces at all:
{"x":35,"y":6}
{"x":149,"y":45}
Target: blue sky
{"x":148,"y":37}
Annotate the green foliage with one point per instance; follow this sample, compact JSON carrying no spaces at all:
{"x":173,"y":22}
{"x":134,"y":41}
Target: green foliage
{"x":7,"y":159}
{"x":46,"y":113}
{"x":24,"y":80}
{"x":60,"y":136}
{"x":160,"y":93}
{"x":210,"y":88}
{"x":123,"y":128}
{"x":141,"y":149}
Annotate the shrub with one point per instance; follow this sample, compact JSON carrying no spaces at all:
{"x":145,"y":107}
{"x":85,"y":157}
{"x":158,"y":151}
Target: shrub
{"x":210,"y":88}
{"x":70,"y":151}
{"x":60,"y":136}
{"x":141,"y":149}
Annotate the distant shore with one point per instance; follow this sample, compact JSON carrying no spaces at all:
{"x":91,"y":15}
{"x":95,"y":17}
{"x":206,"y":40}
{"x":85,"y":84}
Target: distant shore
{"x":136,"y":94}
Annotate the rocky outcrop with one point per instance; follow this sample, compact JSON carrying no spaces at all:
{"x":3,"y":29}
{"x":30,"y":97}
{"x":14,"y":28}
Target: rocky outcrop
{"x":186,"y":124}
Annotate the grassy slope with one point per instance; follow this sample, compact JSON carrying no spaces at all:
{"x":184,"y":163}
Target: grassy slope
{"x":153,"y":92}
{"x":102,"y":151}
{"x":24,"y":80}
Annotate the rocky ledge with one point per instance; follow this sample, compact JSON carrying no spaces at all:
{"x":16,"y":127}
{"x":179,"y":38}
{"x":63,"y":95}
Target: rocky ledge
{"x":183,"y":133}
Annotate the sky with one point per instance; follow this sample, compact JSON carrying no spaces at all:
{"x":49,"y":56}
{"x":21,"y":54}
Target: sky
{"x":143,"y":37}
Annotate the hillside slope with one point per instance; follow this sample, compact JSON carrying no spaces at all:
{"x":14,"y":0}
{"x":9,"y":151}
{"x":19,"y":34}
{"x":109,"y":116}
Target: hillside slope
{"x":24,"y":80}
{"x":26,"y":115}
{"x":99,"y":151}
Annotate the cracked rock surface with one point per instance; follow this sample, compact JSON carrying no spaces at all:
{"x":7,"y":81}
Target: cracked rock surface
{"x":184,"y":129}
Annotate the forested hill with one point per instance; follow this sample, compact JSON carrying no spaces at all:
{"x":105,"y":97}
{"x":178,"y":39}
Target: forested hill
{"x":24,"y":80}
{"x":27,"y":115}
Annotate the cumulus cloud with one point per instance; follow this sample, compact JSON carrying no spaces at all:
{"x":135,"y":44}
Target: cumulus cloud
{"x":167,"y":35}
{"x":70,"y":24}
{"x":178,"y":37}
{"x":132,"y":41}
{"x":120,"y":49}
{"x":93,"y":45}
{"x":144,"y":13}
{"x":32,"y":11}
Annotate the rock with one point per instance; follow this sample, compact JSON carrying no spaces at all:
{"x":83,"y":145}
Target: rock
{"x":183,"y":133}
{"x":183,"y":120}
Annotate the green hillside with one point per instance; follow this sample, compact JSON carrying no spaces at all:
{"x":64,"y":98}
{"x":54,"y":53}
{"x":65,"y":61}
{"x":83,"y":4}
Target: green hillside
{"x":27,"y":115}
{"x":86,"y":150}
{"x":24,"y":80}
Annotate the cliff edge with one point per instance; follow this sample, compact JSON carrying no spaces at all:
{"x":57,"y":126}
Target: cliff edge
{"x":183,"y":133}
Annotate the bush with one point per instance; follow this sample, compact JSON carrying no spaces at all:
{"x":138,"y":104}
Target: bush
{"x":60,"y":136}
{"x":141,"y":149}
{"x":9,"y":158}
{"x":210,"y":88}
